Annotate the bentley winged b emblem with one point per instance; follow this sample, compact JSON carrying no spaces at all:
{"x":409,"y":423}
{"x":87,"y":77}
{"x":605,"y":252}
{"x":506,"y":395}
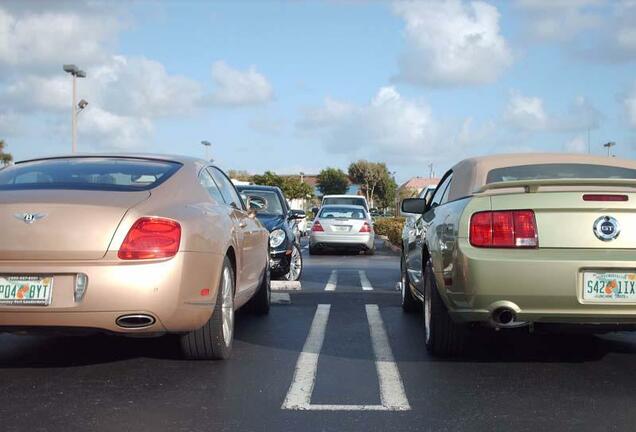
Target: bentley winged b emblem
{"x":29,"y":218}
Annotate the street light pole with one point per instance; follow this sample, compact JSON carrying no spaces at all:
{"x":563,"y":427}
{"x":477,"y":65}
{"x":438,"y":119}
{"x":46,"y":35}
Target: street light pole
{"x":608,"y":146}
{"x":207,"y":145}
{"x":74,"y":117}
{"x":75,"y":73}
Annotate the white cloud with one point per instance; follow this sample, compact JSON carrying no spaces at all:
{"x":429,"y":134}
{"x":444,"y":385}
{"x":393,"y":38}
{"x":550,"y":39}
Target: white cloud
{"x":47,"y":38}
{"x":139,"y":86}
{"x":598,"y":30}
{"x":576,"y":145}
{"x":527,"y":113}
{"x":236,"y":88}
{"x":388,"y":127}
{"x":103,"y":129}
{"x":452,"y":43}
{"x":126,"y":94}
{"x":560,"y":20}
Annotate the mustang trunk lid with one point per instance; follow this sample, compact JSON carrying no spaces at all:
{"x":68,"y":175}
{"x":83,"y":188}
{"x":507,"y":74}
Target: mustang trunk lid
{"x":565,"y":220}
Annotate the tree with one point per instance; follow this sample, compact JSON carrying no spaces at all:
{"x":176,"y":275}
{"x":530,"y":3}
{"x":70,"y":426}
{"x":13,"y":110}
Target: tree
{"x":268,"y":178}
{"x":367,"y":175}
{"x":239,"y":175}
{"x":332,"y":181}
{"x":385,"y":191}
{"x":296,"y":189}
{"x":5,"y":158}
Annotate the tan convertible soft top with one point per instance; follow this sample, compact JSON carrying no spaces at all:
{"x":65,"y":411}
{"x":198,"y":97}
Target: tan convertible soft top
{"x":470,"y":174}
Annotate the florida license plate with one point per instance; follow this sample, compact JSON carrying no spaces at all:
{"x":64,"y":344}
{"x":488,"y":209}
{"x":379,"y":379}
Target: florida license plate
{"x":25,"y":290}
{"x":609,"y":286}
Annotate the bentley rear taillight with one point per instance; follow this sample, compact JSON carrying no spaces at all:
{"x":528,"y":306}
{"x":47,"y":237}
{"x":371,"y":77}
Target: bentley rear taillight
{"x":151,"y":238}
{"x":504,"y":229}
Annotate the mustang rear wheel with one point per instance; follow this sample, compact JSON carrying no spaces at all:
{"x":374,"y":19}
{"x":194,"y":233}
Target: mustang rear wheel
{"x":409,"y":302}
{"x":443,"y":336}
{"x":213,"y":341}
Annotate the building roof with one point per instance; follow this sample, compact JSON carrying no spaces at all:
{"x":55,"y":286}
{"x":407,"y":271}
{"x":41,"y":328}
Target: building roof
{"x":419,"y":183}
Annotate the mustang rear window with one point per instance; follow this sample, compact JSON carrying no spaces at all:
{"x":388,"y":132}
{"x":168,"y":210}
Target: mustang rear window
{"x":100,"y":174}
{"x":558,"y":171}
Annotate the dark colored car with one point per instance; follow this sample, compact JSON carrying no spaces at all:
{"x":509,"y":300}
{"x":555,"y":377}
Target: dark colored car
{"x":271,"y":207}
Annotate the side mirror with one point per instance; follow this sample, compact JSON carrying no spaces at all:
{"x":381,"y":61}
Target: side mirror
{"x":255,"y":202}
{"x":297,"y":214}
{"x":414,"y":205}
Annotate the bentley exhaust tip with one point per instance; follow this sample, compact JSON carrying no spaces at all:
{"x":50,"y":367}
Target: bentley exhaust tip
{"x":135,"y":321}
{"x":504,"y":316}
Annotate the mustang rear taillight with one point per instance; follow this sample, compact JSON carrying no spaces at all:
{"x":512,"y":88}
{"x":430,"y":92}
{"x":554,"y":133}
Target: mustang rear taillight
{"x":316,"y":227}
{"x":150,"y":238}
{"x":504,"y":229}
{"x":366,"y":228}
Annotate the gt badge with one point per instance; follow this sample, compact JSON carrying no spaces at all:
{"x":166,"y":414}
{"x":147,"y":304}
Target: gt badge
{"x":606,"y":228}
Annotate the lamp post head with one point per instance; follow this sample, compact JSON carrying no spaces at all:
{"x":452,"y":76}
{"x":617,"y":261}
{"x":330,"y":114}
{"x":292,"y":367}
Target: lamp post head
{"x":74,"y":70}
{"x":206,"y":143}
{"x":70,"y":68}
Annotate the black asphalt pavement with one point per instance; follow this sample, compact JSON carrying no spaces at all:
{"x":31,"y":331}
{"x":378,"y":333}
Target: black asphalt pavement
{"x":364,"y":369}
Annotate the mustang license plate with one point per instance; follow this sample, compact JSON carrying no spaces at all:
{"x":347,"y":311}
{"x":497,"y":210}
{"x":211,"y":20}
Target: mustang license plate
{"x":609,"y":286}
{"x":25,"y":290}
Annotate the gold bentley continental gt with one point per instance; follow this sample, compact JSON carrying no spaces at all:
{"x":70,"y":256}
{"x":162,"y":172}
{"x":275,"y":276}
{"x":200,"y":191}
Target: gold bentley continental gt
{"x":134,"y":245}
{"x":522,"y":241}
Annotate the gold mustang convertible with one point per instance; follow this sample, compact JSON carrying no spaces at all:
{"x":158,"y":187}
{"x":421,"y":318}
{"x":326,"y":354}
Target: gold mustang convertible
{"x":137,"y":245}
{"x":524,"y":240}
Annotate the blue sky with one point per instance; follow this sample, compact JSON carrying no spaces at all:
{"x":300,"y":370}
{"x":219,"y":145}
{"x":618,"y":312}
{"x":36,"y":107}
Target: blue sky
{"x":298,"y":86}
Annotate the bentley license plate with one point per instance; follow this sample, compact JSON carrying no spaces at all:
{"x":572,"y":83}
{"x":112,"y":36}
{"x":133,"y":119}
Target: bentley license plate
{"x":25,"y":290}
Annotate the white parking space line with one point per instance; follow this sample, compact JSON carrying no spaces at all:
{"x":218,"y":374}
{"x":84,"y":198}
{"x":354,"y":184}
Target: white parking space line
{"x":285,"y":286}
{"x":364,"y":281}
{"x":302,"y":386}
{"x":333,"y":281}
{"x":392,"y":394}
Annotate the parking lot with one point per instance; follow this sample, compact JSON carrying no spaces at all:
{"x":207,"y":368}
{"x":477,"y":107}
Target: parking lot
{"x":339,"y":354}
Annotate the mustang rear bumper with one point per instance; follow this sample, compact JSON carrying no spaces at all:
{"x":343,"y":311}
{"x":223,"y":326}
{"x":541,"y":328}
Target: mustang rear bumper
{"x":539,"y":285}
{"x":178,"y":293}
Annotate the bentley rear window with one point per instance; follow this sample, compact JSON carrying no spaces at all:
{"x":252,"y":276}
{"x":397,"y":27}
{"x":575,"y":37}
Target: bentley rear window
{"x":558,"y":171}
{"x":101,"y":174}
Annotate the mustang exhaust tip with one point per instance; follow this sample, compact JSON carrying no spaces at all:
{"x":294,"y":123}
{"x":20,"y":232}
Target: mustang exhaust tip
{"x":135,"y":321}
{"x":504,"y":316}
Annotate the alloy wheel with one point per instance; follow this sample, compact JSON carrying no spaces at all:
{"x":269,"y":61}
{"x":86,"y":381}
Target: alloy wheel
{"x":427,"y":307}
{"x":227,"y":307}
{"x":295,"y":265}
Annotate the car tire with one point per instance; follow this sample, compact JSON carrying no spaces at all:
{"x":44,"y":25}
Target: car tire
{"x":213,"y":341}
{"x":295,"y":262}
{"x":410,"y":304}
{"x":313,"y":250}
{"x":443,"y":337}
{"x":370,"y":252}
{"x":261,"y":302}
